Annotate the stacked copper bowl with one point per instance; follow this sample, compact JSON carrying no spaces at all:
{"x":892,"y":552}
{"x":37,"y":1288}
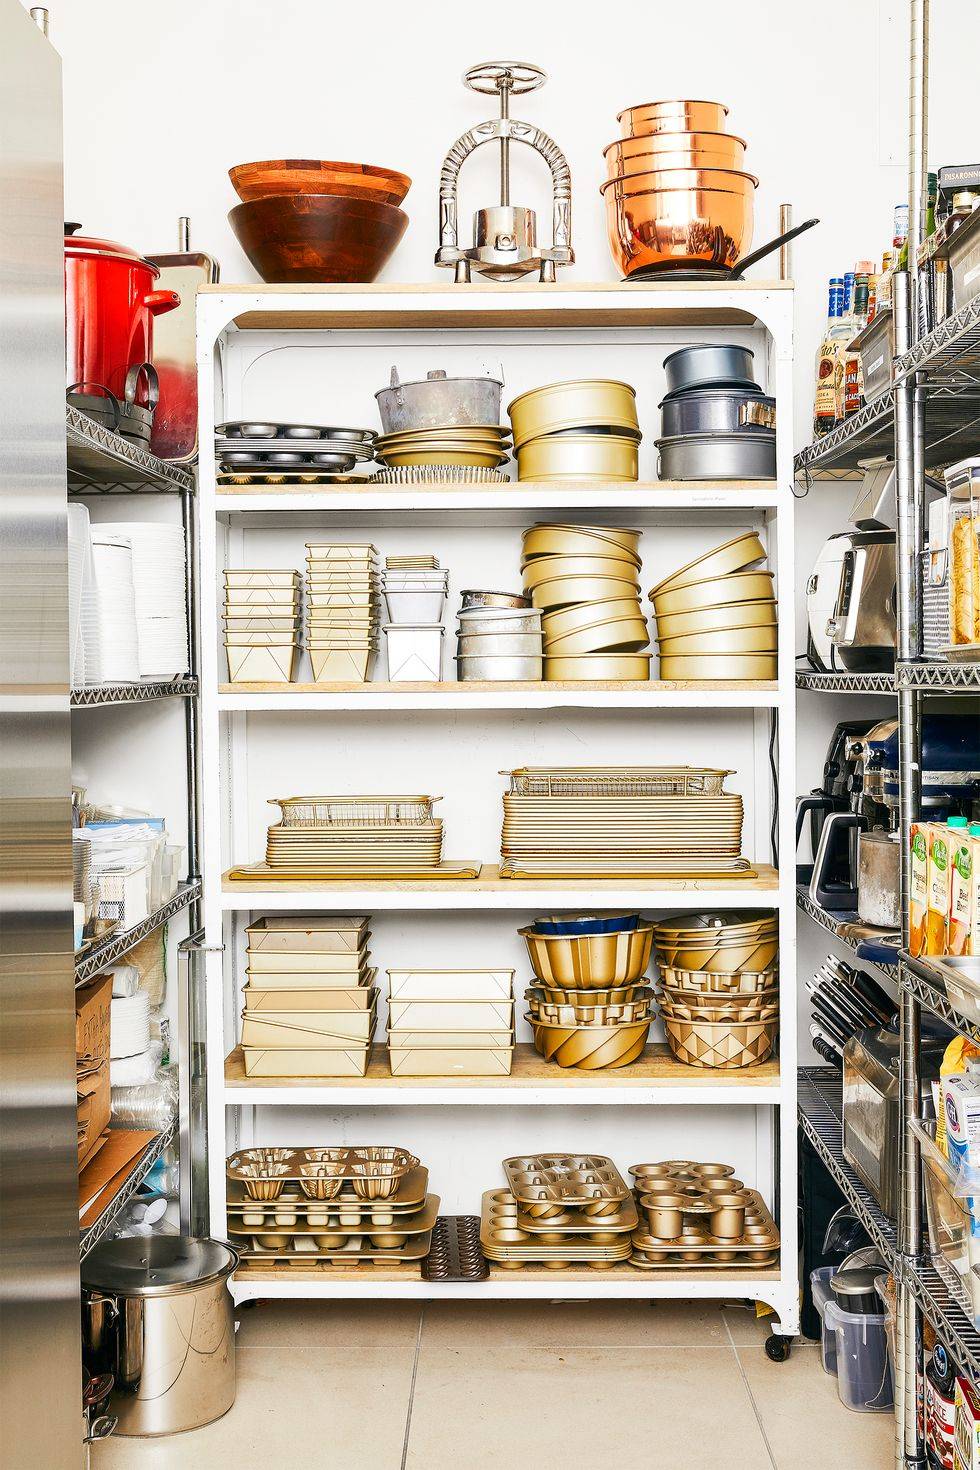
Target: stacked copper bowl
{"x":585,"y":580}
{"x":719,"y":987}
{"x":586,"y":429}
{"x":676,"y":195}
{"x":312,"y":219}
{"x":590,"y":1008}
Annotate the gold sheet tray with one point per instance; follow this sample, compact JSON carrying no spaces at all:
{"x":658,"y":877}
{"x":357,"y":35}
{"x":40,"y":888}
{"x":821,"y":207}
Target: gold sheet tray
{"x":517,"y":868}
{"x":249,"y":872}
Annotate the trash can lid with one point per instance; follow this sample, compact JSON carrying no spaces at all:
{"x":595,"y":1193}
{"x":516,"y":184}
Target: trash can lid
{"x":156,"y":1265}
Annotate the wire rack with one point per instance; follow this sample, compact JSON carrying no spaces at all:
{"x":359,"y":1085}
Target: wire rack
{"x":837,"y":923}
{"x":97,"y":695}
{"x":927,"y":988}
{"x":947,"y":1316}
{"x":116,"y":946}
{"x":938,"y":678}
{"x":106,"y":1222}
{"x":951,"y":352}
{"x":103,"y":462}
{"x":951,"y":431}
{"x":354,"y":811}
{"x":655,"y":781}
{"x":843,"y":682}
{"x":820,"y":1111}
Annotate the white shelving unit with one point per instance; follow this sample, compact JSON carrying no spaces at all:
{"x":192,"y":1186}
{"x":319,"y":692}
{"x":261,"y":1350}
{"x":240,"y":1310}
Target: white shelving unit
{"x":318,"y":354}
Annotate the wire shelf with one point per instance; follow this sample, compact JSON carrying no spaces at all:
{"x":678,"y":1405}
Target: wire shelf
{"x":819,"y":1104}
{"x":96,"y":695}
{"x":96,"y":1232}
{"x":838,"y":923}
{"x":842,"y":682}
{"x":952,"y":1324}
{"x":951,"y":429}
{"x":101,"y":462}
{"x":950,"y":354}
{"x":938,"y":678}
{"x":115,"y":946}
{"x":925,"y":982}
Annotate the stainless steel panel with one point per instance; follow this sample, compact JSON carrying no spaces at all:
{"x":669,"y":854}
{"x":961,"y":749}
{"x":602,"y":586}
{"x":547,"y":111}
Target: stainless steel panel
{"x":40,"y":1363}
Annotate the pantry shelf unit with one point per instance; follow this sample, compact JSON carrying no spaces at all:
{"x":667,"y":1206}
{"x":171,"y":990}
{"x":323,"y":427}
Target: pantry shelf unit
{"x":820,"y":1112}
{"x":115,"y":946}
{"x":478,"y":696}
{"x":947,"y":1316}
{"x":949,"y":355}
{"x":89,"y":1238}
{"x":938,"y":678}
{"x":96,"y":696}
{"x":280,"y":341}
{"x":844,"y":682}
{"x":657,"y":1078}
{"x":102,"y":462}
{"x":868,"y":434}
{"x":490,"y":891}
{"x":925,"y":980}
{"x":839,"y":924}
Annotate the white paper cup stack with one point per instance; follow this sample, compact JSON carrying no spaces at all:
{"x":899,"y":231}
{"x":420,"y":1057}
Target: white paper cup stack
{"x":159,"y":585}
{"x":115,"y":622}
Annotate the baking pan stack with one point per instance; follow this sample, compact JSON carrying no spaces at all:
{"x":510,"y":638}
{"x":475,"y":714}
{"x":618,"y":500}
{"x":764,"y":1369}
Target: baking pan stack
{"x":586,"y":429}
{"x":716,"y":616}
{"x":310,"y":998}
{"x":414,"y":590}
{"x":719,"y":987}
{"x":273,"y":453}
{"x":354,"y":834}
{"x":343,"y":607}
{"x":717,"y":422}
{"x":620,"y":821}
{"x":586,"y":581}
{"x":262,"y":624}
{"x":591,"y":1006}
{"x":450,"y":1023}
{"x":299,"y":1209}
{"x":498,"y":638}
{"x":559,"y":1211}
{"x":700,"y":1215}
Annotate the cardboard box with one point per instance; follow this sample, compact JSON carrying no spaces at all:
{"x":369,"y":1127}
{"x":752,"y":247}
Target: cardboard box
{"x":93,"y":1004}
{"x":93,"y":1008}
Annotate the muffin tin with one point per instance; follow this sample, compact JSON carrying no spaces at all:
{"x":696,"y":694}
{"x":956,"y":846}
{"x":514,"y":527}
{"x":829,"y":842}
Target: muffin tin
{"x":371,"y":1172}
{"x":547,"y":1185}
{"x":700,"y":1215}
{"x":512,"y":1239}
{"x":241,"y":446}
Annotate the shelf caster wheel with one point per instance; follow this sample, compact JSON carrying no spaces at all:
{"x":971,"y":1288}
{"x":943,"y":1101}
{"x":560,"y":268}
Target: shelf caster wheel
{"x":777,"y":1348}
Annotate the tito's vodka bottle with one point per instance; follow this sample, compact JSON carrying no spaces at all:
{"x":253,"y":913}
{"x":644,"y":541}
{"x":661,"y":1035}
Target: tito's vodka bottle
{"x":825,"y":398}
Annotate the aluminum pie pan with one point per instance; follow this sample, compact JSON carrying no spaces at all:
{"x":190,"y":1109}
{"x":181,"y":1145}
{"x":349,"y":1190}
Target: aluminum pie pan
{"x":760,"y":614}
{"x":468,"y":458}
{"x":736,"y":555}
{"x":735,"y":666}
{"x":735,"y":587}
{"x":747,"y":455}
{"x":577,"y":403}
{"x":722,"y":641}
{"x":624,"y":668}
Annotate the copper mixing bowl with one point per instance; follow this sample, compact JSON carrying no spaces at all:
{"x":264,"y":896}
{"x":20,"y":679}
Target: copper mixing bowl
{"x":662,"y":177}
{"x":693,"y":224}
{"x":675,"y":115}
{"x":317,"y":237}
{"x":674,"y":150}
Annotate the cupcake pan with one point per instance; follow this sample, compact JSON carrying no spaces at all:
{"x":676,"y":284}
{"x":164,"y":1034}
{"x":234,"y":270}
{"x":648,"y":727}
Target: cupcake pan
{"x":590,"y":1182}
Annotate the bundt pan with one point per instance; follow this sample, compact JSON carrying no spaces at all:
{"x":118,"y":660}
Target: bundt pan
{"x":590,"y":961}
{"x":591,"y":1048}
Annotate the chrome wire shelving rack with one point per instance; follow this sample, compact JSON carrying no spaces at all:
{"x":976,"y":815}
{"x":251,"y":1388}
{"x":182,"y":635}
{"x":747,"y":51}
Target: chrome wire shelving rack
{"x":838,"y":923}
{"x":90,"y":1238}
{"x":937,"y":678}
{"x":101,"y":462}
{"x":95,"y":696}
{"x":117,"y":945}
{"x":842,"y":681}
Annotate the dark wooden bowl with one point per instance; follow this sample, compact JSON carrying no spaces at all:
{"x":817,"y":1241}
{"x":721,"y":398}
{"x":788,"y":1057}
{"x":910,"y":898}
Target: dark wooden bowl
{"x":292,"y":238}
{"x":318,"y":176}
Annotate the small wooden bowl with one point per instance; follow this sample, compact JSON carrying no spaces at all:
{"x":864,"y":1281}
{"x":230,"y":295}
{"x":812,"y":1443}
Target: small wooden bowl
{"x":318,"y":176}
{"x":299,"y":238}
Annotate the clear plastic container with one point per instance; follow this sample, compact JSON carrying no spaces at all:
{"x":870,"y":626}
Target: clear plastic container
{"x":864,"y":1375}
{"x":820,"y":1290}
{"x":953,"y":1218}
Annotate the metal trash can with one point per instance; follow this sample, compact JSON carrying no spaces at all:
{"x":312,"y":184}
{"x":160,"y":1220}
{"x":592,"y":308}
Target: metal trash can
{"x":157,"y":1314}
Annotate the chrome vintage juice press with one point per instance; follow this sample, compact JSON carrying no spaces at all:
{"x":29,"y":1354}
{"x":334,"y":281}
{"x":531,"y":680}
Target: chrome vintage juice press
{"x":505,"y":235}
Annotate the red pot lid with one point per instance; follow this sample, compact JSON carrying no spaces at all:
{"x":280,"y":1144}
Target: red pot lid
{"x":80,"y":246}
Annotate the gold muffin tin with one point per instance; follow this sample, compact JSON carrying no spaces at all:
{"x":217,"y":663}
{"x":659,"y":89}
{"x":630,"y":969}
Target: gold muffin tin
{"x":507,"y":1242}
{"x":372,"y":1171}
{"x":704,"y":1198}
{"x":548,"y":1184}
{"x":405,"y":1233}
{"x":347,"y":1208}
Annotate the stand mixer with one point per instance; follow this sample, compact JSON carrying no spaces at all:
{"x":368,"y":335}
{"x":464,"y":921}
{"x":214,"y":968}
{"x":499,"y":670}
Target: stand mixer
{"x":505,"y":235}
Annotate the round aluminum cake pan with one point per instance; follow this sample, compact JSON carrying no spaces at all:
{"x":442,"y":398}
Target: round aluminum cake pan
{"x":496,"y":667}
{"x":546,"y":568}
{"x":736,"y":587}
{"x":719,"y":666}
{"x":731,"y":556}
{"x":722,"y":640}
{"x":761,"y":614}
{"x":746,"y":456}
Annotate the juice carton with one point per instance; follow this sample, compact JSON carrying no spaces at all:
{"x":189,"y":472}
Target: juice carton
{"x":918,"y":886}
{"x":937,"y":898}
{"x":967,"y":1432}
{"x":963,"y":854}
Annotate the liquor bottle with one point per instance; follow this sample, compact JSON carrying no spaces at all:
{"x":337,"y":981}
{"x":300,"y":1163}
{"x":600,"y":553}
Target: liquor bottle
{"x":853,"y":383}
{"x":883,"y":289}
{"x":824,"y":404}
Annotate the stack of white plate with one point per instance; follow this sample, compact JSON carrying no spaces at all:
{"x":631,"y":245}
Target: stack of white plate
{"x":129,"y":1025}
{"x":159,"y":583}
{"x":115,"y":612}
{"x":342,"y":597}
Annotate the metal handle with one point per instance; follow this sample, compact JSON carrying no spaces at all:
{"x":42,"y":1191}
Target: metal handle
{"x":101,"y":1428}
{"x":84,"y":383}
{"x":161,"y":301}
{"x":515,"y":77}
{"x":143,"y":370}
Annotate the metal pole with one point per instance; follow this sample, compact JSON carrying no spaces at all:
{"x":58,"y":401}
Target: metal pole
{"x":786,"y":250}
{"x":504,"y":85}
{"x":918,"y":140}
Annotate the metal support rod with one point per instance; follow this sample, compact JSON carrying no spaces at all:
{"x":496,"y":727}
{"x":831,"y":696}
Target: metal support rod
{"x":184,"y":233}
{"x":918,"y":140}
{"x":505,"y":142}
{"x":785,"y":250}
{"x":189,"y":519}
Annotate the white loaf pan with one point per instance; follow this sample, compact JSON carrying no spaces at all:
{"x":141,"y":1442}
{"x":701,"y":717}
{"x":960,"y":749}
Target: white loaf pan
{"x":414,"y":652}
{"x":451,"y":984}
{"x":416,"y":1061}
{"x":449,"y":1015}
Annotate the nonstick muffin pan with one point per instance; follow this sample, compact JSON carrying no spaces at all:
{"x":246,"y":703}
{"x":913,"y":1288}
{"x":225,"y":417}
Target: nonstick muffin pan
{"x":370,"y":1172}
{"x":292,"y":1204}
{"x":506,"y":1242}
{"x":699,"y":1215}
{"x":545,"y":1185}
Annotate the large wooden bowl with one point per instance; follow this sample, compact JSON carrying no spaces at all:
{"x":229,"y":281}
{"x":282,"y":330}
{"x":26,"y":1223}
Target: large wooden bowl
{"x":293,"y":238}
{"x":318,"y":176}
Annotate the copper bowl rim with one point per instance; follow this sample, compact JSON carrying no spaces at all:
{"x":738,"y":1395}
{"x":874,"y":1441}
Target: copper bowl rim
{"x":675,"y":147}
{"x":675,"y":185}
{"x":673,"y":102}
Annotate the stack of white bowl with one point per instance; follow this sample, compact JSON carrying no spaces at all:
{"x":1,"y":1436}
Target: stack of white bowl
{"x":115,"y":608}
{"x":498,"y":638}
{"x":129,"y":1025}
{"x":159,"y":583}
{"x":262,"y":624}
{"x":343,"y":604}
{"x":414,"y":589}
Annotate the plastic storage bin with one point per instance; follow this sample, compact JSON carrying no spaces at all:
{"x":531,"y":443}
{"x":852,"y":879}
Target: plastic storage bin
{"x":820,"y":1290}
{"x":864,"y":1375}
{"x":953,"y":1246}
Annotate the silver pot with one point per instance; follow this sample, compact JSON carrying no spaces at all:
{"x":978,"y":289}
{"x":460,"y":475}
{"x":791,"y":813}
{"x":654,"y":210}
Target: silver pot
{"x":708,"y":365}
{"x":745,"y":456}
{"x":438,"y":402}
{"x":880,"y":880}
{"x":493,"y":599}
{"x":717,"y":411}
{"x":158,"y":1315}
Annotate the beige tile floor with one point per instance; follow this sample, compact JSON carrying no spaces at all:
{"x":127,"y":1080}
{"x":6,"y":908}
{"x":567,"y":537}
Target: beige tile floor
{"x":458,"y":1386}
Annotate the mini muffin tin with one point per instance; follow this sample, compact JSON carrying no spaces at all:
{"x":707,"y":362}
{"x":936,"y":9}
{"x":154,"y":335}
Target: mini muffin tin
{"x":371,"y":1172}
{"x":548,"y":1184}
{"x":508,"y":1244}
{"x":292,"y":1204}
{"x":403,"y":1234}
{"x":714,"y":1220}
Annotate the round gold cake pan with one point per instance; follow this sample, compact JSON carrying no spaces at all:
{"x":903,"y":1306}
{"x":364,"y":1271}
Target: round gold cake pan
{"x":547,"y":568}
{"x":587,"y":666}
{"x":585,"y":614}
{"x":548,"y":538}
{"x":581,"y":456}
{"x":731,"y":556}
{"x":615,"y":635}
{"x":736,"y":587}
{"x":759,"y":614}
{"x":580,"y":402}
{"x":559,"y":592}
{"x":719,"y":666}
{"x":723,"y":640}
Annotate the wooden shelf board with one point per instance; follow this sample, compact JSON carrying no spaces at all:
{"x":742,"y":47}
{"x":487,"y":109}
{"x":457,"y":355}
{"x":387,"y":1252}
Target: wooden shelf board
{"x":655,"y":1070}
{"x":321,"y":1278}
{"x":737,"y":492}
{"x":450,"y":687}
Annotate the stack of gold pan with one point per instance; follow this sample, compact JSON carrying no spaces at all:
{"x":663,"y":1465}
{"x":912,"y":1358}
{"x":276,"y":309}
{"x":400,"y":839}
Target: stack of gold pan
{"x":700,"y":1216}
{"x":559,"y":1211}
{"x":716,"y":616}
{"x":476,"y":446}
{"x":262,"y":624}
{"x":343,"y":606}
{"x":586,"y":581}
{"x":348,"y":834}
{"x":601,"y":821}
{"x":586,"y":429}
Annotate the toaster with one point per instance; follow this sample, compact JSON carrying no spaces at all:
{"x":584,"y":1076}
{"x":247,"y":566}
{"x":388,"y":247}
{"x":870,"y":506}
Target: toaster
{"x":851,"y":602}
